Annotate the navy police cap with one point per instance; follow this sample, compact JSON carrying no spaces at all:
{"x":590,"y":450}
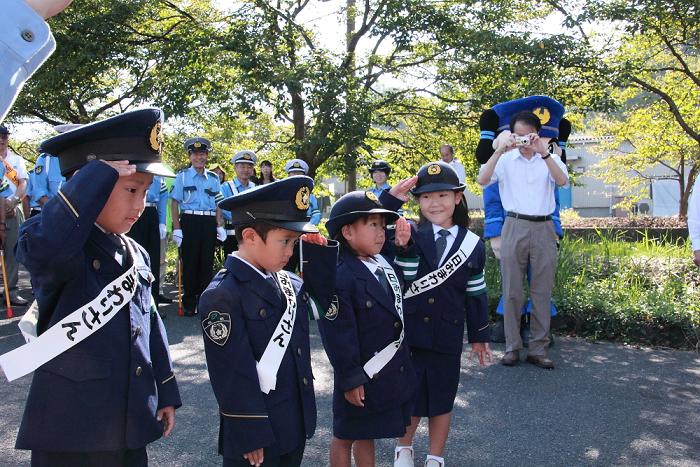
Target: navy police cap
{"x":437,"y":176}
{"x":4,"y":130}
{"x":283,"y":203}
{"x":380,"y":165}
{"x":197,"y":144}
{"x":354,"y":205}
{"x":134,"y":136}
{"x":548,"y":110}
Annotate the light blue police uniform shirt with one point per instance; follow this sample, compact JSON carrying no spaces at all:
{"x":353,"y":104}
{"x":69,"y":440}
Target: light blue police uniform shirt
{"x":313,"y":211}
{"x":378,"y":191}
{"x":227,"y":192}
{"x":196,"y":191}
{"x":158,"y":195}
{"x":44,"y":180}
{"x":5,"y":191}
{"x":25,"y":44}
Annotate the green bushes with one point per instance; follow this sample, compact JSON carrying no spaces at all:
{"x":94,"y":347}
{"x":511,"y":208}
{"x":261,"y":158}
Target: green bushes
{"x":643,"y":292}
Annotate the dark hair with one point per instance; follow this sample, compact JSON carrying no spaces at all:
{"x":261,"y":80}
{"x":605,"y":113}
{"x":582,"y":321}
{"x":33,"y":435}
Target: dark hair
{"x":272,"y":175}
{"x":527,"y":117}
{"x":460,"y":216}
{"x":448,"y":146}
{"x":261,"y":228}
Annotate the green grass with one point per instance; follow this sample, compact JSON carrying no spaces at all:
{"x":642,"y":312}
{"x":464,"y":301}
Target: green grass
{"x":639,"y":292}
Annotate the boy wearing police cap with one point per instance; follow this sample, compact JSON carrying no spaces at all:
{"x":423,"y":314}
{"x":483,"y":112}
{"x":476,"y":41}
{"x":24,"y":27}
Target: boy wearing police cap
{"x":244,"y":166}
{"x":195,"y":221}
{"x":255,"y":320}
{"x":104,"y":385}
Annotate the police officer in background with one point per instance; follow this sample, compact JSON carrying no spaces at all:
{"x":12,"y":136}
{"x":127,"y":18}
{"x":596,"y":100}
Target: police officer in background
{"x":299,"y":167}
{"x":244,"y":166}
{"x":380,"y":171}
{"x":150,"y":229}
{"x":44,"y":182}
{"x":194,"y":197}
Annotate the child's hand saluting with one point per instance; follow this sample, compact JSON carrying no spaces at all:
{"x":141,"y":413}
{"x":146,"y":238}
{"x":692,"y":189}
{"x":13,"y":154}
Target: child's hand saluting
{"x":402,"y":233}
{"x":401,"y":189}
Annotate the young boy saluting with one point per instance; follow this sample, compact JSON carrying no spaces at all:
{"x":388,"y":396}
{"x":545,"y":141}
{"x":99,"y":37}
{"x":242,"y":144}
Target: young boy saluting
{"x":255,"y":320}
{"x":104,"y":386}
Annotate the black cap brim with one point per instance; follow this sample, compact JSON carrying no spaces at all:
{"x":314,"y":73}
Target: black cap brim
{"x":294,"y":226}
{"x":431,"y":187}
{"x":154,"y":168}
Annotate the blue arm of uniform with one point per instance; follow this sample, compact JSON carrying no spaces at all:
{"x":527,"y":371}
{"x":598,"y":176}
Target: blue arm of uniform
{"x":40,"y":185}
{"x":314,"y":212}
{"x":319,"y":268}
{"x":341,"y":341}
{"x":168,"y":392}
{"x":55,"y":237}
{"x":234,"y":378}
{"x":477,"y":299}
{"x":20,"y":57}
{"x":162,"y":207}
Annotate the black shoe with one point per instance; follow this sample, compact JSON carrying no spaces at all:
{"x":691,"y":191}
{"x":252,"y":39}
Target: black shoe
{"x":163,"y":299}
{"x":540,"y":361}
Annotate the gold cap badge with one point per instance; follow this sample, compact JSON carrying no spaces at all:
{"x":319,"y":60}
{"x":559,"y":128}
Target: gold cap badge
{"x":371,"y":196}
{"x":156,"y":138}
{"x":434,"y":169}
{"x":302,"y":198}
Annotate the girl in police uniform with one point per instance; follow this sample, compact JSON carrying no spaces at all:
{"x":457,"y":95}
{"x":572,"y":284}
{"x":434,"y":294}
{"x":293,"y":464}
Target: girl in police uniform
{"x":451,"y":264}
{"x":362,"y":335}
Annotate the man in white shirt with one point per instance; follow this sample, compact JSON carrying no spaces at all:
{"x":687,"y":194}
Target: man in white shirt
{"x":447,"y":154}
{"x":694,"y":221}
{"x":16,"y":188}
{"x":527,"y":175}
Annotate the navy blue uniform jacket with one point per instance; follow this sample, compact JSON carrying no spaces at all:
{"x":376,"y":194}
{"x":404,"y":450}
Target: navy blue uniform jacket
{"x":103,"y":393}
{"x":366,"y":322}
{"x":249,"y":419}
{"x":435,"y":319}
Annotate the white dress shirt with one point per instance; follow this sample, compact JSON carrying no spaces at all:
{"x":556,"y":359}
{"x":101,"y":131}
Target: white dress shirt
{"x":459,"y":168}
{"x":454,"y":230}
{"x":694,"y":216}
{"x":25,"y":44}
{"x":526,"y":186}
{"x":19,"y":164}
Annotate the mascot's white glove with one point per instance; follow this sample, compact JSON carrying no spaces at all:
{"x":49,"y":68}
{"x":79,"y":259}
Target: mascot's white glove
{"x":220,"y":234}
{"x":163,"y":231}
{"x":177,"y":237}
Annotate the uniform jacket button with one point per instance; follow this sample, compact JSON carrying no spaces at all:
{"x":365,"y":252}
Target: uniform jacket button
{"x":298,"y":350}
{"x":368,"y":303}
{"x":401,"y":369}
{"x":263,"y":312}
{"x":397,"y":325}
{"x":431,"y":300}
{"x":426,"y":319}
{"x":305,"y":381}
{"x":96,"y":264}
{"x":139,"y":370}
{"x":456,"y":321}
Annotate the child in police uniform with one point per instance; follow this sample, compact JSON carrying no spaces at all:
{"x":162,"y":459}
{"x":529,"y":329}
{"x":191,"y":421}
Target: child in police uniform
{"x":363,"y":335}
{"x":255,"y":320}
{"x":449,"y":285}
{"x":107,"y":388}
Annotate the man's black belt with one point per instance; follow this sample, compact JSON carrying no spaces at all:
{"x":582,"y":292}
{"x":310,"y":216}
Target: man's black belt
{"x":528,"y":217}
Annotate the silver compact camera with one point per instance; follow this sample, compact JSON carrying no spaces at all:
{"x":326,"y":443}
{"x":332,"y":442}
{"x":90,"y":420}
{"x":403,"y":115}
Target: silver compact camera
{"x":522,"y":140}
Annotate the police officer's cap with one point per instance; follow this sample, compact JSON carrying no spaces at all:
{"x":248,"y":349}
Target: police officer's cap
{"x":437,"y":176}
{"x":380,"y":165}
{"x":197,"y":144}
{"x":4,"y":130}
{"x":296,"y":166}
{"x":548,"y":110}
{"x":283,"y":204}
{"x":244,"y":157}
{"x":134,"y":136}
{"x":353,"y":206}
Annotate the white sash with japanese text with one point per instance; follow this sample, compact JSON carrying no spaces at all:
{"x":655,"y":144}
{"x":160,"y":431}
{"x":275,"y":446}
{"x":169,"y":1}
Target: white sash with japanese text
{"x":449,"y":267}
{"x":74,"y":328}
{"x":271,"y":359}
{"x":384,"y":356}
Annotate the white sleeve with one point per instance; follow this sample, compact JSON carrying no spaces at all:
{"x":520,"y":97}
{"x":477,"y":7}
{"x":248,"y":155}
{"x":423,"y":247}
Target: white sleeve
{"x":21,"y":169}
{"x":461,"y":174}
{"x":557,"y":160}
{"x":694,"y":216}
{"x":25,"y":44}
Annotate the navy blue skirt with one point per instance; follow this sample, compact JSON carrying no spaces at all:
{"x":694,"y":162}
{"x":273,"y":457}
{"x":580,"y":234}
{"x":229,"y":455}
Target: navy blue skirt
{"x":438,"y":380}
{"x":389,"y":423}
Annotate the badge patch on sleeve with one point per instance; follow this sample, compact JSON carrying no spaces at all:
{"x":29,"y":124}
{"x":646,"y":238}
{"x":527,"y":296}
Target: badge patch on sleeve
{"x":332,"y":312}
{"x":217,"y":327}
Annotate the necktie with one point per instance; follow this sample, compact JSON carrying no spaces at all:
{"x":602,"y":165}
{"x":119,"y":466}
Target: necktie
{"x":273,"y":282}
{"x":381,"y":277}
{"x":441,"y":243}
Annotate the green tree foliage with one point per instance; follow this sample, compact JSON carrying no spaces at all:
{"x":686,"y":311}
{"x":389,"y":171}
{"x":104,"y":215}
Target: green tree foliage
{"x":112,"y":56}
